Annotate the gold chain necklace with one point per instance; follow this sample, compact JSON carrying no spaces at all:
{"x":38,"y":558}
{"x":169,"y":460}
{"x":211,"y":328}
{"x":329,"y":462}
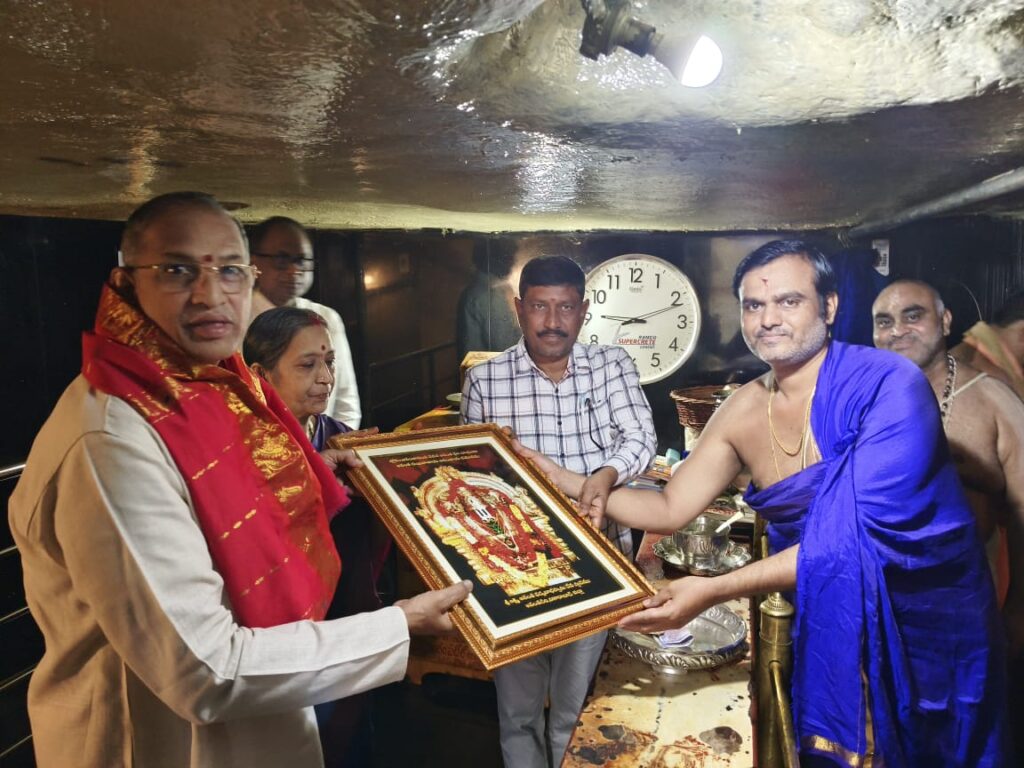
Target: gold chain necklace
{"x":771,"y":426}
{"x":775,"y":459}
{"x":803,"y":432}
{"x":947,"y":392}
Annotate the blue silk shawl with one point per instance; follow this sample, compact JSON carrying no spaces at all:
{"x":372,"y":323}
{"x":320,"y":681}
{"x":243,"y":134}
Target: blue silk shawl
{"x":897,"y":639}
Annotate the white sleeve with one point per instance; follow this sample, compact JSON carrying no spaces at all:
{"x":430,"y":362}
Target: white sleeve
{"x":344,"y":402}
{"x":345,"y":406}
{"x":140,"y":564}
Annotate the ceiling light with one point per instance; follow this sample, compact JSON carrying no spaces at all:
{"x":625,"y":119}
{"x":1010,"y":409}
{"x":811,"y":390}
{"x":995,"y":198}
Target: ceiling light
{"x":695,"y":60}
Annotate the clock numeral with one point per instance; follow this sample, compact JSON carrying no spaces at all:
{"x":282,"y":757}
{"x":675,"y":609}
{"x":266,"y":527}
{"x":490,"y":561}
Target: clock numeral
{"x":674,"y":345}
{"x":593,"y":338}
{"x":682,"y":321}
{"x":655,"y":360}
{"x":600,"y":296}
{"x":636,"y":275}
{"x":677,"y":298}
{"x":657,"y":280}
{"x":586,"y":319}
{"x":613,"y":282}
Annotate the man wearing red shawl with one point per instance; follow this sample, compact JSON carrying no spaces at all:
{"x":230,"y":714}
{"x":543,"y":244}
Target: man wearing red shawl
{"x":172,"y":521}
{"x":898,"y":656}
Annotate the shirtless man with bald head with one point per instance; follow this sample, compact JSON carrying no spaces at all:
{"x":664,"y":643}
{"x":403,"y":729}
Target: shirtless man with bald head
{"x":982,"y":417}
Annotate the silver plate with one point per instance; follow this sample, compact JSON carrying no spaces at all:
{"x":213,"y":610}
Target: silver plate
{"x":719,"y":636}
{"x":736,"y":556}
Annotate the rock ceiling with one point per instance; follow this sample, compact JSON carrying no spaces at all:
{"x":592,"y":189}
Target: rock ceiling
{"x":482,"y":114}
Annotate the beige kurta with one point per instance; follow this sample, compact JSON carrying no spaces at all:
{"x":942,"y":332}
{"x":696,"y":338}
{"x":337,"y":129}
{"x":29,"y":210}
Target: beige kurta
{"x":144,"y":662}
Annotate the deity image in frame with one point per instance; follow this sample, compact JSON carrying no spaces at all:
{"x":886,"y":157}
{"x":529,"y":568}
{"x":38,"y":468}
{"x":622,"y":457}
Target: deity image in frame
{"x":503,"y":534}
{"x":461,"y":504}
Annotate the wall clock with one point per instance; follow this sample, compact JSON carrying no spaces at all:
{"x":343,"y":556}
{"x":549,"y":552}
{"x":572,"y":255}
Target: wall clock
{"x":647,"y":306}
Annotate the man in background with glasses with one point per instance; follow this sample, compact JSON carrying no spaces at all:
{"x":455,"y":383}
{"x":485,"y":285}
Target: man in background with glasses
{"x":282,"y":251}
{"x":581,"y":403}
{"x":172,"y":521}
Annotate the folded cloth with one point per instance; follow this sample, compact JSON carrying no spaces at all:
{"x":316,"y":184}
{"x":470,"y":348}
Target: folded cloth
{"x":675,"y":638}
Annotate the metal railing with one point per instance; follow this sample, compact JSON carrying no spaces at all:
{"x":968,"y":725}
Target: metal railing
{"x":14,"y":684}
{"x":776,"y":737}
{"x":12,"y":472}
{"x":423,"y":382}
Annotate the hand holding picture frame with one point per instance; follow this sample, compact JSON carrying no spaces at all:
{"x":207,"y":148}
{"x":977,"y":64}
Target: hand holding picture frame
{"x":461,"y":504}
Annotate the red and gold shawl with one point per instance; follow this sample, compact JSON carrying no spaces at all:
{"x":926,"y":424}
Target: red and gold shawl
{"x":259,"y":490}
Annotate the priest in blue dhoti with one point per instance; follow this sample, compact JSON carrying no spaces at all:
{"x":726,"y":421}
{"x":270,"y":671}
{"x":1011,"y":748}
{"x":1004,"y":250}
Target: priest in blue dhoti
{"x":898,"y":649}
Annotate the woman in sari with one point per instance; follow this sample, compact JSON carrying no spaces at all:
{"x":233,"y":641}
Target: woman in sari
{"x":291,"y":349}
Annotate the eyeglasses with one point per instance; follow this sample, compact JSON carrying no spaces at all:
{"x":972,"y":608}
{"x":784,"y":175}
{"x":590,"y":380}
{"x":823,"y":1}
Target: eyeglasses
{"x":179,"y":277}
{"x":283,"y":261}
{"x":590,"y":424}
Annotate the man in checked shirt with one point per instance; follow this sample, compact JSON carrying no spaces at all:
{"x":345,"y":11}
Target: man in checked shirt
{"x":580,"y":404}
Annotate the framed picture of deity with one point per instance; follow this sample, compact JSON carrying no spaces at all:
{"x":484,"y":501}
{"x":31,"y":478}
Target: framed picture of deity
{"x":461,"y":504}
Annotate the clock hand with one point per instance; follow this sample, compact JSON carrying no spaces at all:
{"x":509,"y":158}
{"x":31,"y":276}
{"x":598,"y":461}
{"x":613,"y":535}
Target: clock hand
{"x":642,"y":318}
{"x":625,"y":320}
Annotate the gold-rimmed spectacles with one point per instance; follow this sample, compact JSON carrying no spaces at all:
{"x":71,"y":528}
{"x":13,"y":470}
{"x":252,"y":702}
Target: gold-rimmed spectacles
{"x":179,"y":276}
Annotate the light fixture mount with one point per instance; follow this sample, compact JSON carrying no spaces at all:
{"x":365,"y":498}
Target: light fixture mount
{"x":609,"y":25}
{"x":693,"y":59}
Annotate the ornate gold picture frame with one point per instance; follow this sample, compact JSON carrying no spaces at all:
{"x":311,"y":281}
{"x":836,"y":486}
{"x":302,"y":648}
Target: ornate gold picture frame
{"x":461,"y":504}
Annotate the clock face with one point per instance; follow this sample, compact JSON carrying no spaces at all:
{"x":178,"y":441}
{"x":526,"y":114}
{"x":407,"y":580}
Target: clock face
{"x":646,"y":306}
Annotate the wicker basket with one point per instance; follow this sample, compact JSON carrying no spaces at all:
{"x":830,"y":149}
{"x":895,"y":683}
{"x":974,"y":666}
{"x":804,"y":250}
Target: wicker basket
{"x":696,"y":404}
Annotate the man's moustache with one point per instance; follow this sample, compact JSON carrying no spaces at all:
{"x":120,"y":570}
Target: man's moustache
{"x":562,"y":334}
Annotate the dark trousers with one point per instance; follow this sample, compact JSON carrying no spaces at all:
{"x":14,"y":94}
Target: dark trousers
{"x":346,"y":726}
